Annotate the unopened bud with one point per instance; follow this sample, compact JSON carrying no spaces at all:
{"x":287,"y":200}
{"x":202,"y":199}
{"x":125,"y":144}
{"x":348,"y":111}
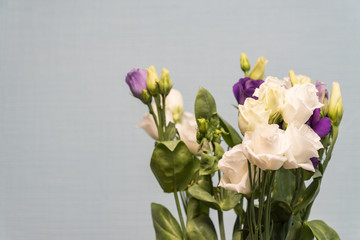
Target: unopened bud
{"x":165,"y":84}
{"x":203,"y":126}
{"x":258,"y":72}
{"x":293,"y":78}
{"x":146,"y":97}
{"x":336,"y":110}
{"x":152,"y":81}
{"x":244,"y":63}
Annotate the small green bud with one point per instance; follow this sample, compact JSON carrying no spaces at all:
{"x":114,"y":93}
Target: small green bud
{"x":335,"y":110}
{"x":219,"y":151}
{"x":203,"y":126}
{"x":152,"y":82}
{"x":165,"y":83}
{"x":258,"y":72}
{"x":244,"y":63}
{"x":146,"y":97}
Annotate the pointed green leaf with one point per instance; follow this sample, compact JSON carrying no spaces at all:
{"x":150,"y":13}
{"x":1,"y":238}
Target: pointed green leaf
{"x":202,"y":194}
{"x":173,"y":165}
{"x":322,"y":231}
{"x":299,"y":231}
{"x":205,"y":105}
{"x":166,"y":226}
{"x":231,"y":136}
{"x":229,"y":199}
{"x":201,"y":228}
{"x":308,"y":195}
{"x":284,"y":185}
{"x":196,"y":208}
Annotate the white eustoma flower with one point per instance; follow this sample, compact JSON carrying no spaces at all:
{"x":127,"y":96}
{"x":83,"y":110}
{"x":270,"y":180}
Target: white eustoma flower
{"x":300,"y":102}
{"x":175,"y":104}
{"x":252,"y":114}
{"x":266,"y":147}
{"x":234,"y":165}
{"x":185,"y":122}
{"x":272,"y":93}
{"x":187,"y":128}
{"x":305,"y":144}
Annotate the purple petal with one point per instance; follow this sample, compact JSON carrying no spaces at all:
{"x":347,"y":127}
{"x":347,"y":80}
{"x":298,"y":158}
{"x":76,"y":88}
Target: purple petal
{"x":236,"y":91}
{"x":322,"y":128}
{"x":315,"y":161}
{"x":315,"y":117}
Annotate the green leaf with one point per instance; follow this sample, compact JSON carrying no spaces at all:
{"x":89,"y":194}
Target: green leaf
{"x":170,"y":131}
{"x":166,"y":226}
{"x":236,"y":231}
{"x":280,"y":211}
{"x":205,"y":105}
{"x":196,"y":208}
{"x":202,"y":194}
{"x":201,"y":228}
{"x":308,"y":195}
{"x":231,"y":136}
{"x":173,"y":165}
{"x":322,"y":231}
{"x":284,"y":185}
{"x":208,"y":164}
{"x":229,"y":200}
{"x":299,"y":231}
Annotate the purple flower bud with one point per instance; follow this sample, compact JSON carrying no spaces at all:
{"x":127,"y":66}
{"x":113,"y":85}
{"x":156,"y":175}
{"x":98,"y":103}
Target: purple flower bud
{"x":322,"y":91}
{"x":320,"y":126}
{"x":245,"y":88}
{"x":315,"y":161}
{"x":136,"y":79}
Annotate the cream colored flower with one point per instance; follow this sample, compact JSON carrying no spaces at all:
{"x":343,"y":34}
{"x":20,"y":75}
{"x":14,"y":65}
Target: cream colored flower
{"x":266,"y":147}
{"x":300,"y":102}
{"x":234,"y":165}
{"x":252,"y":114}
{"x":272,"y":93}
{"x":187,"y":128}
{"x":305,"y":144}
{"x":175,"y":104}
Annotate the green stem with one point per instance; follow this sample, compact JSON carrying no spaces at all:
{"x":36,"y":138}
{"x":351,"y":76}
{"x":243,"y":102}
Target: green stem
{"x":221,"y":225}
{"x":268,"y":206}
{"x":163,"y":112}
{"x":151,"y":111}
{"x":262,"y":183}
{"x":160,"y":122}
{"x":220,"y":213}
{"x":180,"y":214}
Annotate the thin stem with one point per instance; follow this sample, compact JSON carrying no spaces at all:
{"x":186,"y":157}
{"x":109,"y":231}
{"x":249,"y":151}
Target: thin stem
{"x":163,"y":113}
{"x":262,"y":183}
{"x":268,"y":206}
{"x":151,"y":111}
{"x":335,"y":132}
{"x":221,"y":224}
{"x":180,"y":214}
{"x":160,"y":123}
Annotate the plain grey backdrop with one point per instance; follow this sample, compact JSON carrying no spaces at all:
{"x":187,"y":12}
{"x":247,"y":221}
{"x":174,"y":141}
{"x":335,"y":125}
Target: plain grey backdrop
{"x":73,"y":165}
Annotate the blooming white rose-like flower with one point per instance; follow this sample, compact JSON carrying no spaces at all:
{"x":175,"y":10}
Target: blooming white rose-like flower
{"x":252,"y":114}
{"x":187,"y":128}
{"x":266,"y":147}
{"x":234,"y":165}
{"x":305,"y":144}
{"x":300,"y":102}
{"x":272,"y":93}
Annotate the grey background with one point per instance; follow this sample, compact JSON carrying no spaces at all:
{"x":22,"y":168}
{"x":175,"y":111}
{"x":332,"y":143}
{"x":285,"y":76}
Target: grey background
{"x":72,"y":163}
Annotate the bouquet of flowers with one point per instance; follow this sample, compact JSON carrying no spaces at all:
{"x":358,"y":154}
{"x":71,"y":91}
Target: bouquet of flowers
{"x":270,"y":174}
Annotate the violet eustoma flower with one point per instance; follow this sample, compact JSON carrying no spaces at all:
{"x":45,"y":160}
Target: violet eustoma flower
{"x":320,"y":126}
{"x":245,"y":88}
{"x":136,"y":79}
